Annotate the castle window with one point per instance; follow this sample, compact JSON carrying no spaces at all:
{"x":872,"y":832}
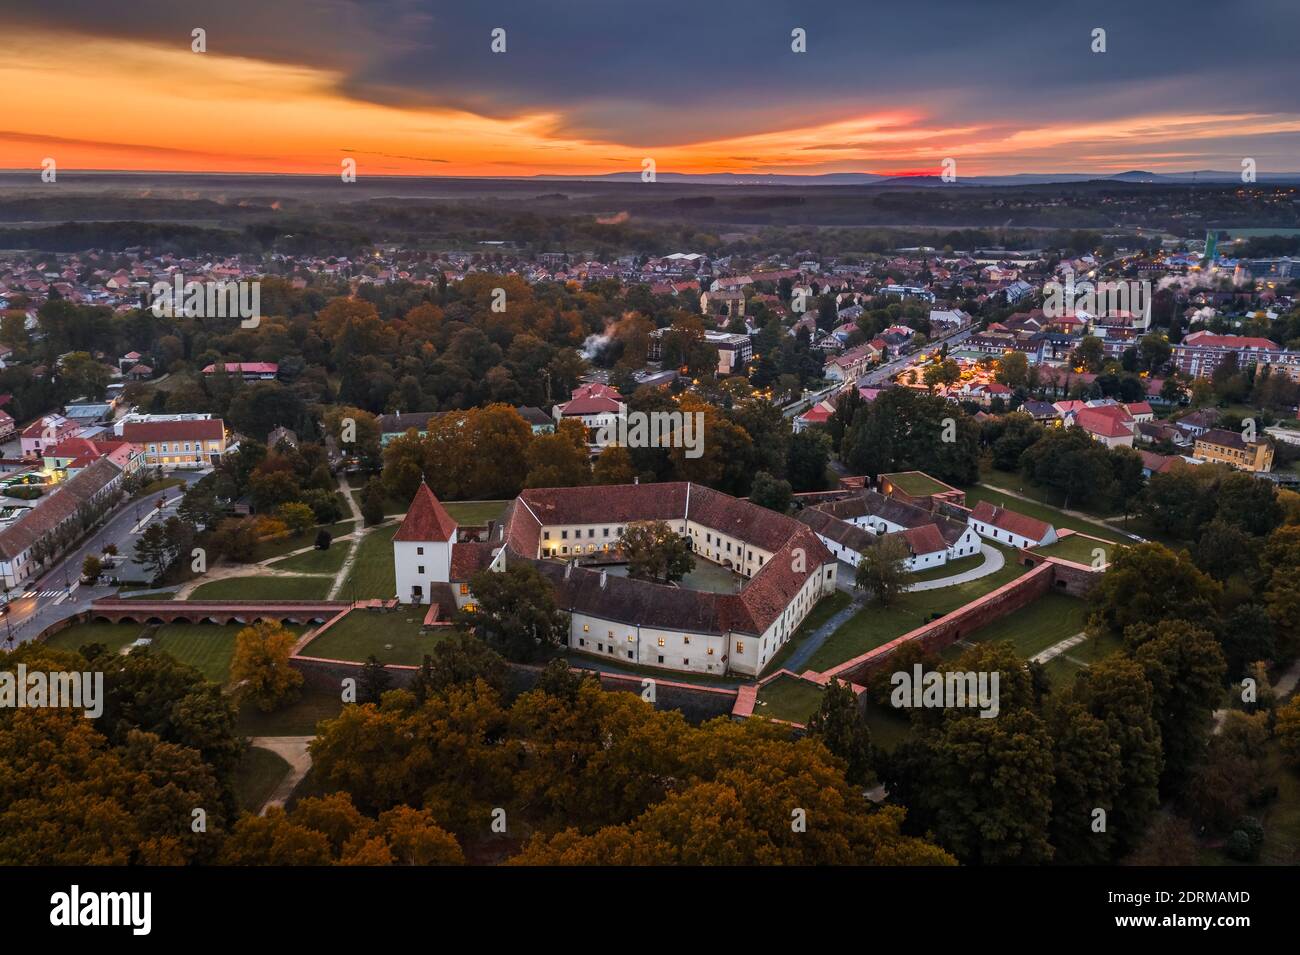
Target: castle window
{"x":586,"y":628}
{"x":661,"y":643}
{"x":464,"y":590}
{"x":419,"y":551}
{"x":740,"y":646}
{"x":419,"y":569}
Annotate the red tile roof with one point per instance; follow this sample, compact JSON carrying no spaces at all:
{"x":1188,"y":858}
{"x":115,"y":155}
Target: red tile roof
{"x":590,"y":404}
{"x":1104,"y":422}
{"x":925,"y":539}
{"x":1020,"y":524}
{"x":201,"y":429}
{"x":426,"y":520}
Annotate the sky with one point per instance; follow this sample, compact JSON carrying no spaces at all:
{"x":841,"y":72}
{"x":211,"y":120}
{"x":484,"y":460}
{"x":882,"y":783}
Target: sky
{"x":404,"y":87}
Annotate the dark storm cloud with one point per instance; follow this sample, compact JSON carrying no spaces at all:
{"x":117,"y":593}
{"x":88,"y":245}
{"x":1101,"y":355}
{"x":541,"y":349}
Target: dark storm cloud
{"x":672,"y":72}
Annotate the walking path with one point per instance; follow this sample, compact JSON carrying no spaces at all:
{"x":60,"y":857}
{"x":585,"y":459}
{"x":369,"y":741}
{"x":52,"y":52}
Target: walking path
{"x":994,"y":560}
{"x":798,"y":661}
{"x":293,"y":750}
{"x":361,"y":531}
{"x":1056,"y":649}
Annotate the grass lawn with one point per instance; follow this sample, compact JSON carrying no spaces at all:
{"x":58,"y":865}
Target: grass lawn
{"x":1043,"y":512}
{"x":316,"y":561}
{"x":1032,"y":629}
{"x":915,"y":483}
{"x":393,"y":637}
{"x":115,"y":636}
{"x":284,"y":545}
{"x":372,"y":570}
{"x":888,"y":726}
{"x":1061,"y":670}
{"x":207,"y":647}
{"x":256,"y":777}
{"x":950,"y":569}
{"x":297,"y":719}
{"x":826,"y":608}
{"x":263,"y":588}
{"x":873,"y":626}
{"x":1078,"y":549}
{"x":162,"y":484}
{"x":471,"y":513}
{"x":787,"y":698}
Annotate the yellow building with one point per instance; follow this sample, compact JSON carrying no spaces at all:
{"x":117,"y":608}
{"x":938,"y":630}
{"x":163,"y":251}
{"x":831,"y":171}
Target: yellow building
{"x":1218,"y":446}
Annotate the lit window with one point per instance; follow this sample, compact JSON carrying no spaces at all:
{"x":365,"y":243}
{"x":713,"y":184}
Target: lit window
{"x":464,"y":590}
{"x":740,"y":646}
{"x":661,"y":642}
{"x":586,"y":628}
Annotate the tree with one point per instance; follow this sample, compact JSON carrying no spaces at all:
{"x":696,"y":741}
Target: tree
{"x":374,"y":680}
{"x":91,"y":567}
{"x":1069,"y":462}
{"x":963,"y":777}
{"x":882,"y":571}
{"x":1013,"y":370}
{"x":296,"y":516}
{"x":1087,"y":771}
{"x":1116,"y":691}
{"x":514,"y":611}
{"x":372,"y":502}
{"x":560,"y":459}
{"x":1149,"y":584}
{"x":1288,"y":731}
{"x":770,"y":492}
{"x":1089,"y":354}
{"x":1232,"y":776}
{"x":654,"y":551}
{"x":261,"y":665}
{"x":323,"y":539}
{"x":807,"y":459}
{"x":841,"y":726}
{"x":613,"y":466}
{"x":153,"y":550}
{"x":459,"y":660}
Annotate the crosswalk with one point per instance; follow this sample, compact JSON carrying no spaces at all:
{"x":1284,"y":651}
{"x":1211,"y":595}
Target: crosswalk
{"x":43,"y":593}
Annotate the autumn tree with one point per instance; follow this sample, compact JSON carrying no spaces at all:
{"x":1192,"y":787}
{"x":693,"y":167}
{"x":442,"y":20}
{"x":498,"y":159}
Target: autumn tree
{"x":261,"y":665}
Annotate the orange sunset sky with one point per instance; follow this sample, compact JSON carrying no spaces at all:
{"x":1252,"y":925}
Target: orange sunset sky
{"x":411,"y":99}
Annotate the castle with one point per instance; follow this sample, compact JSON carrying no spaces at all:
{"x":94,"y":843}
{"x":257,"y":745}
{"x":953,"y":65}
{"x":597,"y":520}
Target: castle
{"x":784,"y":569}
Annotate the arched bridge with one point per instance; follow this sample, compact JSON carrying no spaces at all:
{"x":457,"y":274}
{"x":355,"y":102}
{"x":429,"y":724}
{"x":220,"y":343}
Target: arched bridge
{"x":116,"y":609}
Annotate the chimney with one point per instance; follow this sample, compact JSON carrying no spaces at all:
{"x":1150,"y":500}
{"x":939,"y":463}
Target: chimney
{"x":603,"y":576}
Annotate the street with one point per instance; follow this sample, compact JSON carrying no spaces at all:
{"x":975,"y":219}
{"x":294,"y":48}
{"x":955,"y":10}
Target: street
{"x":58,"y":593}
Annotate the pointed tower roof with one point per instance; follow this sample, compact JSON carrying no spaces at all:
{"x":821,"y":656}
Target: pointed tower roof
{"x":427,"y":520}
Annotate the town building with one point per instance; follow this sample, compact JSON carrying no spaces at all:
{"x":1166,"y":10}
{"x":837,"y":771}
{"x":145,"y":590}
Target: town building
{"x":186,"y":443}
{"x":1010,"y":528}
{"x":1220,"y":446}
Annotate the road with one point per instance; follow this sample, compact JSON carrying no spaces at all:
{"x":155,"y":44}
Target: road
{"x":886,"y":372}
{"x":57,"y":594}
